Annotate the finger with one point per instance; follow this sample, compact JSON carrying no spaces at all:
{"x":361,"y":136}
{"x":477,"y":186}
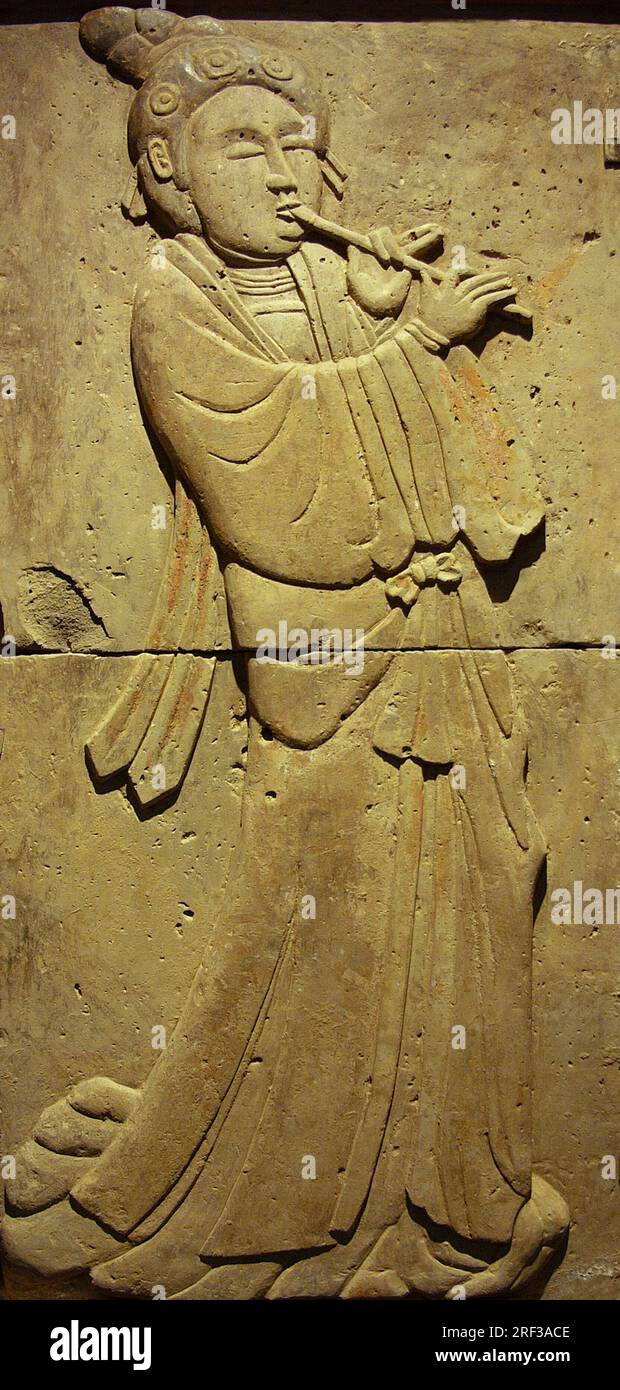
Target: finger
{"x":377,"y":239}
{"x":422,"y":229}
{"x":392,"y":245}
{"x":485,"y":278}
{"x":429,"y":339}
{"x":498,"y":298}
{"x":491,"y":289}
{"x":421,"y":243}
{"x":428,"y":283}
{"x":453,"y":278}
{"x":501,"y":283}
{"x":435,"y":343}
{"x":425,"y":229}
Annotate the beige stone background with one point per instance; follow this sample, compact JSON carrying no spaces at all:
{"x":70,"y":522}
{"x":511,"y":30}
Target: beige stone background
{"x":444,"y":120}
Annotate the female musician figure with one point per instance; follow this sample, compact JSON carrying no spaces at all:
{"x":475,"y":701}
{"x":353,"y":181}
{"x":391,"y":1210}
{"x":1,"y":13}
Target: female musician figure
{"x":344,"y":1107}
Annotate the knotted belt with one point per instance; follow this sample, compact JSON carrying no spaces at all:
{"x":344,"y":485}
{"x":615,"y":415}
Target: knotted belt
{"x":442,"y":569}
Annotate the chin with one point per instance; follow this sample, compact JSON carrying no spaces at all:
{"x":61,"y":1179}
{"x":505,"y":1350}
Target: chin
{"x":289,"y":239}
{"x":277,"y":247}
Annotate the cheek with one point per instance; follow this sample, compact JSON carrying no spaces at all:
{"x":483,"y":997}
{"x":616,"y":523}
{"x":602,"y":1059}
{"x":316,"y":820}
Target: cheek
{"x":230,"y":193}
{"x":250,"y":183}
{"x":243,"y":184}
{"x":307,"y":171}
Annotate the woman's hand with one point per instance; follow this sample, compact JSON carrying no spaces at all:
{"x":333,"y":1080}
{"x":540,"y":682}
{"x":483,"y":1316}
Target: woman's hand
{"x":372,"y":277}
{"x":457,"y":308}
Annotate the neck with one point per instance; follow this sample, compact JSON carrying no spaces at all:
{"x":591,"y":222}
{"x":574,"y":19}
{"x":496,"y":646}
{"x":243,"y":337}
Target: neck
{"x":262,"y":279}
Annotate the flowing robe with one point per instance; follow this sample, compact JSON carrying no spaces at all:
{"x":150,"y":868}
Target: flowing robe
{"x":335,"y":1040}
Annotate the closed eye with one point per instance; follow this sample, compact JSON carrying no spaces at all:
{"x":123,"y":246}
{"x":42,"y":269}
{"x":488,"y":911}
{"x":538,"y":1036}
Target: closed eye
{"x":296,"y":142}
{"x":244,"y":149}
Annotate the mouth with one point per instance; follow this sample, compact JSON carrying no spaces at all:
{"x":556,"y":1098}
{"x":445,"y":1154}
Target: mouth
{"x":286,"y":213}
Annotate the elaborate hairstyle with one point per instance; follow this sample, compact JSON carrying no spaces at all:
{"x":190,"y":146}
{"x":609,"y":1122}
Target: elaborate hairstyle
{"x":177,"y":64}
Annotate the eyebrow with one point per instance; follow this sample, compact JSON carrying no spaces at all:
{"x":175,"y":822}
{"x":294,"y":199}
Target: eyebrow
{"x":241,"y":128}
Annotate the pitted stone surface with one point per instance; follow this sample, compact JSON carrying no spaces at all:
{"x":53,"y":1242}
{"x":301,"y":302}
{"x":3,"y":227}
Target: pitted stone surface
{"x":310,"y":478}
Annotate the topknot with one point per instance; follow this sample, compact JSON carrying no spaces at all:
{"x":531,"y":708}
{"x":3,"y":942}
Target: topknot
{"x":127,"y":40}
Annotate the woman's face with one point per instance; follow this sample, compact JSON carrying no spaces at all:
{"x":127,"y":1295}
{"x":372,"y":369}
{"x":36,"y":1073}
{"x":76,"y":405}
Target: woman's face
{"x":249,"y":156}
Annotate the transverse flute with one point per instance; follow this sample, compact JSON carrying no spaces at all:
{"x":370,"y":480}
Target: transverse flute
{"x":349,"y":237}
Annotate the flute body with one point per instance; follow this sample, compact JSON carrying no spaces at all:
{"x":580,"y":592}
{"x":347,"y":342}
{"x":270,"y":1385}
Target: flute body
{"x":349,"y":236}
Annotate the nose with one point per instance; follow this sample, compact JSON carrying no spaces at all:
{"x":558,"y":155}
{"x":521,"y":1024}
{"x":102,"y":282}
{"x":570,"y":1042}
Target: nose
{"x":280,"y":176}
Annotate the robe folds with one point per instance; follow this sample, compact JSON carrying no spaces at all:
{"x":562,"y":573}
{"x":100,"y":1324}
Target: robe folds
{"x":335,"y":1040}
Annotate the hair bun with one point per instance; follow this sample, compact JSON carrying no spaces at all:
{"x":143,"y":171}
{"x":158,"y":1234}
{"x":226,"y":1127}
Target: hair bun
{"x":101,"y":29}
{"x":156,"y":25}
{"x":124,"y":38}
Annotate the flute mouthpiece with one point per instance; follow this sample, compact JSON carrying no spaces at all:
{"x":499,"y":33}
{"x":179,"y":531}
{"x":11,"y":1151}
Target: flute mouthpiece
{"x":304,"y":214}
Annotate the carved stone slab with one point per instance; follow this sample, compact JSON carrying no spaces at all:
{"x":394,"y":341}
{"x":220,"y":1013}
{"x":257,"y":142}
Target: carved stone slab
{"x":308,"y":425}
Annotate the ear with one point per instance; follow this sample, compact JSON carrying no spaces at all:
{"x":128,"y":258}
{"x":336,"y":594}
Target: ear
{"x":159,"y":158}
